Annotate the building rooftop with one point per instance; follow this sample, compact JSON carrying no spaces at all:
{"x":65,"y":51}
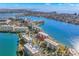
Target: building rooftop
{"x":43,"y":33}
{"x":24,"y":36}
{"x":51,"y":42}
{"x":31,"y":49}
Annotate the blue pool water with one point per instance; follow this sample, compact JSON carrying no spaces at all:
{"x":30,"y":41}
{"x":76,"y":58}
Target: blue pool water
{"x":8,"y":44}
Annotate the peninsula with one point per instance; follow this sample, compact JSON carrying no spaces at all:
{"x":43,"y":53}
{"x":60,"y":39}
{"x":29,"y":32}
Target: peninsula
{"x":33,"y":41}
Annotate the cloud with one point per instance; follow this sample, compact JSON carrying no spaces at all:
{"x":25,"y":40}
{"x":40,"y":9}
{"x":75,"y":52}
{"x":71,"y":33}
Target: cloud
{"x":75,"y":43}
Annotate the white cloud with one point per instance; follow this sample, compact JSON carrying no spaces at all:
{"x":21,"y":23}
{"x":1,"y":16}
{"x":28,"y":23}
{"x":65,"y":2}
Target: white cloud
{"x":75,"y":43}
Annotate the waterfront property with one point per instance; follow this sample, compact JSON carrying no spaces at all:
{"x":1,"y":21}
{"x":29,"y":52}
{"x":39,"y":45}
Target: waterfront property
{"x":4,"y":22}
{"x":34,"y":41}
{"x":10,"y":28}
{"x":42,"y":36}
{"x":47,"y":31}
{"x":20,"y":29}
{"x":51,"y":44}
{"x":31,"y":49}
{"x":35,"y":46}
{"x":6,"y":28}
{"x":26,"y":38}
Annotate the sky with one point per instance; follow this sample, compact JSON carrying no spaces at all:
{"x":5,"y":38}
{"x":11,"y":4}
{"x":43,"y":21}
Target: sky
{"x":47,"y":7}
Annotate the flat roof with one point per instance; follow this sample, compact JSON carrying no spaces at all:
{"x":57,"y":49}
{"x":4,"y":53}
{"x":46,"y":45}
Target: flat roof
{"x":30,"y":48}
{"x":43,"y":33}
{"x":2,"y":20}
{"x":51,"y":42}
{"x":24,"y":36}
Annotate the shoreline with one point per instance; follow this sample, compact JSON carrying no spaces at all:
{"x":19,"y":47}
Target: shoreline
{"x":73,"y":50}
{"x":63,"y":17}
{"x":35,"y":40}
{"x":57,"y":40}
{"x":67,"y":18}
{"x":60,"y":44}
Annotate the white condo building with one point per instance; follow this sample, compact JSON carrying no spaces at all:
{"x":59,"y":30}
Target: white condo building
{"x":13,"y":28}
{"x":6,"y":28}
{"x":21,"y":29}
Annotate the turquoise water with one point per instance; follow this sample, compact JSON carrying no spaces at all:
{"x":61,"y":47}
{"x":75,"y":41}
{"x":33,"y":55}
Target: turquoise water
{"x":67,"y":34}
{"x":8,"y":44}
{"x":64,"y":33}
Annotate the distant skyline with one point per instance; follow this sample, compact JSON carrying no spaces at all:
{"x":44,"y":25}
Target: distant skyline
{"x":47,"y":7}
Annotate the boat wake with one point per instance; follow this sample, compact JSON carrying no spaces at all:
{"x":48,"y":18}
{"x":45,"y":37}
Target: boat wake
{"x":75,"y":43}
